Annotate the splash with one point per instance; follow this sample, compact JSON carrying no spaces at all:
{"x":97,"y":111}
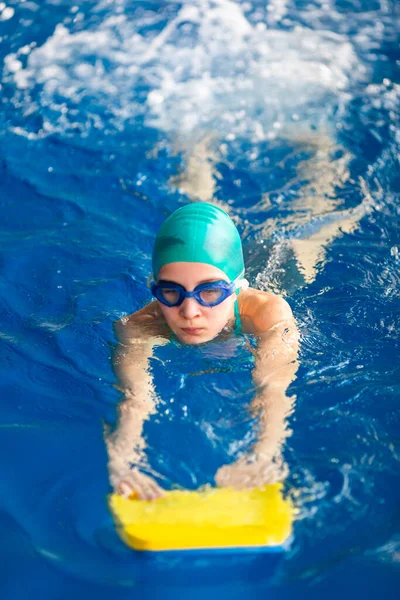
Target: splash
{"x":204,"y":67}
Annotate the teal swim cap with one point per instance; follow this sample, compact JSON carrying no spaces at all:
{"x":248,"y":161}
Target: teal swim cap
{"x":203,"y":233}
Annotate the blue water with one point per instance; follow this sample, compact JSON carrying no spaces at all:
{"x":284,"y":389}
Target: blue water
{"x":113,"y":115}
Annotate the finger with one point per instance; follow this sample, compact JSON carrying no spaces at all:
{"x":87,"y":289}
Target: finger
{"x":157,"y":491}
{"x":153,"y":491}
{"x":139,"y":484}
{"x":124,"y":489}
{"x":146,"y":492}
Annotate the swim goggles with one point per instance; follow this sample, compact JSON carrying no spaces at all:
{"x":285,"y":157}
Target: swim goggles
{"x":207,"y":294}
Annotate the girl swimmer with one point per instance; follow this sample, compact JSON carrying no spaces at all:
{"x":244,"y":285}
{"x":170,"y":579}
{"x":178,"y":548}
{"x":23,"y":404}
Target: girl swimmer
{"x":200,"y":292}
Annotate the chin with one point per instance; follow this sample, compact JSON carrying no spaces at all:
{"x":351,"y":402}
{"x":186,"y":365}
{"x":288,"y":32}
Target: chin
{"x":195,"y":339}
{"x":190,"y":341}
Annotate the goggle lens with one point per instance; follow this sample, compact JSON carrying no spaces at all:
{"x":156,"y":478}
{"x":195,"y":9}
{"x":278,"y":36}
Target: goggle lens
{"x":212,"y":296}
{"x":170,"y":296}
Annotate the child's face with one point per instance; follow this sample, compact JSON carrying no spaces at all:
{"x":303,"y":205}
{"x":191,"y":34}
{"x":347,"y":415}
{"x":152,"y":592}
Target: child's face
{"x":190,"y":321}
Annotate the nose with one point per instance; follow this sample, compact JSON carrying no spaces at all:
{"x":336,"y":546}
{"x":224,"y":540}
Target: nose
{"x":190,"y":308}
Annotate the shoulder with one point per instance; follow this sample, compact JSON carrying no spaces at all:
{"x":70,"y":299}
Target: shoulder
{"x":141,"y":324}
{"x":263,"y":310}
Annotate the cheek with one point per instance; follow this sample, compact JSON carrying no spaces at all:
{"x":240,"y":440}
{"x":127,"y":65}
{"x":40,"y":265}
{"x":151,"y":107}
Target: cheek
{"x":220,"y":315}
{"x":168,"y":313}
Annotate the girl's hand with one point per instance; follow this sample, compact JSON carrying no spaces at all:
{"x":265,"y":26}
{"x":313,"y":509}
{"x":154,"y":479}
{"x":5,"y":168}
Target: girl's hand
{"x":244,"y":474}
{"x":139,"y":484}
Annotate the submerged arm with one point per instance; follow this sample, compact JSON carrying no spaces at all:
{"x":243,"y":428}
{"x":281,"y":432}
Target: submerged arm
{"x":125,"y":445}
{"x":275,"y":368}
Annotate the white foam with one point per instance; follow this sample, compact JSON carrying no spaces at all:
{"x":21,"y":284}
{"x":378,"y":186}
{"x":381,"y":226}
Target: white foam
{"x":6,"y":12}
{"x":208,"y":69}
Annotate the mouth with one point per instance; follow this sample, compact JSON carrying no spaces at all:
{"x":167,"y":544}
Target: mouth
{"x":192,"y":330}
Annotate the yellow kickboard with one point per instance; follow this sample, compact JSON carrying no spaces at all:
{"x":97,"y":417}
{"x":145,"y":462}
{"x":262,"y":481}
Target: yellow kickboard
{"x":213,"y":518}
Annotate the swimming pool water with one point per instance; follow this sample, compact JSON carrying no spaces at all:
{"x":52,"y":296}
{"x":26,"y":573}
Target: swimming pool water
{"x":113,"y":115}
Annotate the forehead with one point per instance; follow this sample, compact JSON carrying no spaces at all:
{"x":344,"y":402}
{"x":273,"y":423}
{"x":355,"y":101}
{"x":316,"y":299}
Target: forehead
{"x":190,"y":274}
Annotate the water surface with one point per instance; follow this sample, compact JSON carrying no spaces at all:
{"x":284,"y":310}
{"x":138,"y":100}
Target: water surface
{"x":113,"y":115}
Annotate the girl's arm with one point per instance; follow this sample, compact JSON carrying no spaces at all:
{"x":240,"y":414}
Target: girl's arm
{"x":126,"y":445}
{"x":275,"y":368}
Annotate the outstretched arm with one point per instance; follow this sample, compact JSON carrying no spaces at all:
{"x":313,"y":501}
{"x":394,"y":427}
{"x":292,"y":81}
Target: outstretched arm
{"x":125,"y":445}
{"x":275,"y":368}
